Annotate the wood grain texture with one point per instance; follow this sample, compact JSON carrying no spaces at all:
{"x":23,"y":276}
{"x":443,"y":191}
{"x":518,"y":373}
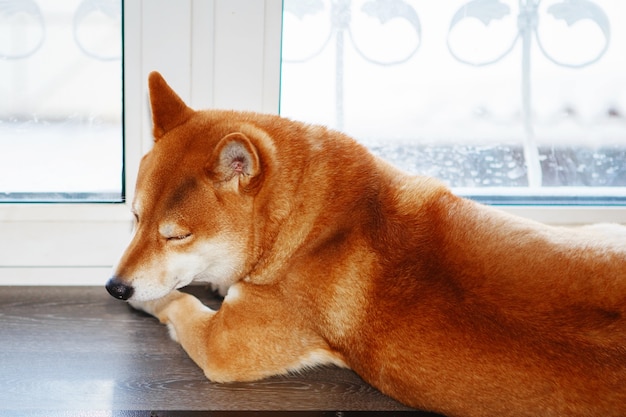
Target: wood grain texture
{"x":71,"y":350}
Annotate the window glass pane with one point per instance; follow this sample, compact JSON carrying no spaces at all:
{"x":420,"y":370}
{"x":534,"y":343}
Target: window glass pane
{"x":507,"y":101}
{"x":61,"y":100}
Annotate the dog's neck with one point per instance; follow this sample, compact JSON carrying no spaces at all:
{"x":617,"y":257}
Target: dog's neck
{"x":323,"y":201}
{"x":329,"y":208}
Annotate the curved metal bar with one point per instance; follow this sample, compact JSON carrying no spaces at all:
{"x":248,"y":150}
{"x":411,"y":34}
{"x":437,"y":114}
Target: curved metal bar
{"x":481,"y":63}
{"x":384,"y":11}
{"x":110,"y":8}
{"x":314,"y":54}
{"x":10,"y":7}
{"x":384,"y":63}
{"x":568,"y":65}
{"x":572,"y":12}
{"x":302,"y":9}
{"x":485,"y":11}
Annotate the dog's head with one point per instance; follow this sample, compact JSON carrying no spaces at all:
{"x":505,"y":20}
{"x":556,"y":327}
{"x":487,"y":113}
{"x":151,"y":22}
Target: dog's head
{"x":193,"y":203}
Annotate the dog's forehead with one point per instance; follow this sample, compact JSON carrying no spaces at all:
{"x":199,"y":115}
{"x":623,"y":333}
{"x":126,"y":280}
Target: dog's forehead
{"x":180,"y":192}
{"x":166,"y":180}
{"x":179,"y":150}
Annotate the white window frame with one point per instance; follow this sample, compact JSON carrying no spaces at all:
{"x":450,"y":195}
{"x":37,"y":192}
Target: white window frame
{"x":215,"y":53}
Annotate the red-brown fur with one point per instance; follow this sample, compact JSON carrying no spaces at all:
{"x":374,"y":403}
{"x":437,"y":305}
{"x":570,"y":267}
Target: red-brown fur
{"x":337,"y":257}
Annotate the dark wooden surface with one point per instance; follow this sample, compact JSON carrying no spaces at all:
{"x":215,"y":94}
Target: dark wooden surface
{"x":68,"y":351}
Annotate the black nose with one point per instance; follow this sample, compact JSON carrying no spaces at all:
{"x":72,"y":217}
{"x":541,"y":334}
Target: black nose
{"x":118,"y":289}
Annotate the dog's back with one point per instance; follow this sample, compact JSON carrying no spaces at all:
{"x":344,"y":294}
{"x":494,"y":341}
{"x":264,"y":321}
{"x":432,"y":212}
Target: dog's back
{"x":471,"y":303}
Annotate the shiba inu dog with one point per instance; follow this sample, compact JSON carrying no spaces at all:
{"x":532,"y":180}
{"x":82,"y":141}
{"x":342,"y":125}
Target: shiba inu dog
{"x":328,"y":255}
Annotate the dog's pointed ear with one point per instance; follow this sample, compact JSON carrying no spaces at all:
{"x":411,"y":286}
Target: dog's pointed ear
{"x":235,"y":160}
{"x":168,"y":109}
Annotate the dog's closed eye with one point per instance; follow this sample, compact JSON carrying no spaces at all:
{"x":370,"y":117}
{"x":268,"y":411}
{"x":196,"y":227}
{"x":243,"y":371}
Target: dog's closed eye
{"x":179,"y":237}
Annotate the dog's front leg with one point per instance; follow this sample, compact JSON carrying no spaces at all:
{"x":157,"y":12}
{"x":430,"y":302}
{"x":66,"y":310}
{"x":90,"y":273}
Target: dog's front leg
{"x":169,"y":306}
{"x":242,"y":341}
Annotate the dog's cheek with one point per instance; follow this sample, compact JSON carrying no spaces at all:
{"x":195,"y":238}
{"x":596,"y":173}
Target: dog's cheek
{"x":218,"y":262}
{"x":181,"y":268}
